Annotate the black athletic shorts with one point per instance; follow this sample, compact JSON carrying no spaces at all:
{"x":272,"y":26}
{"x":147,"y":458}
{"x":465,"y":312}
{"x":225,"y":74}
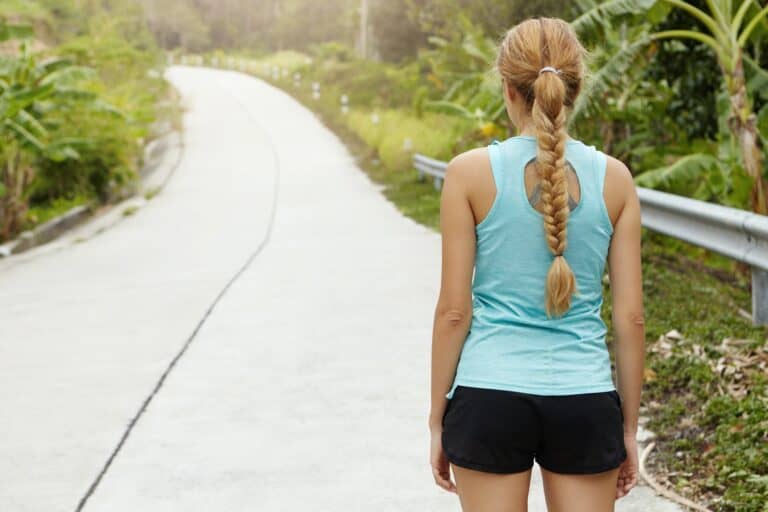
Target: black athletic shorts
{"x":504,"y":431}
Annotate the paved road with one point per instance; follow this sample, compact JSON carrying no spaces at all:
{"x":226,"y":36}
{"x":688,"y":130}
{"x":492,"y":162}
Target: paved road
{"x":293,"y":304}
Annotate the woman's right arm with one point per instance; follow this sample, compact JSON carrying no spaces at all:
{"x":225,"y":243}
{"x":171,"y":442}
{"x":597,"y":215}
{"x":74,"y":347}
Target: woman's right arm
{"x":626,"y":283}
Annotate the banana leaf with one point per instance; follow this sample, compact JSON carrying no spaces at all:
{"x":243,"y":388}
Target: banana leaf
{"x":32,"y":125}
{"x":448,"y":107}
{"x":24,"y":136}
{"x":680,"y":172}
{"x":757,"y":78}
{"x":607,"y":77}
{"x":8,"y":31}
{"x":68,"y":75}
{"x":595,"y":18}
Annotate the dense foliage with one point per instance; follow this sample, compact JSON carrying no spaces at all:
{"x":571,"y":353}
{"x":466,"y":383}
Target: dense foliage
{"x":79,"y":91}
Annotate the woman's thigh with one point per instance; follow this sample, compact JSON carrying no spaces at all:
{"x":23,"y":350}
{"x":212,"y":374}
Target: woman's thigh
{"x":480,"y":491}
{"x":594,"y":492}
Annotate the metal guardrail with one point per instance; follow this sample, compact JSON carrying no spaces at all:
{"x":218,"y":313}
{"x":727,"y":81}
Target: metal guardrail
{"x":737,"y":234}
{"x":432,"y":167}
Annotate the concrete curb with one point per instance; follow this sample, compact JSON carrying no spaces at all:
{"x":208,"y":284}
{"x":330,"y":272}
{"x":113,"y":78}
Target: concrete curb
{"x":161,"y":157}
{"x":47,"y":231}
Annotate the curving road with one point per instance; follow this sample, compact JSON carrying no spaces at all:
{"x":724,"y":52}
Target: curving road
{"x":256,"y":337}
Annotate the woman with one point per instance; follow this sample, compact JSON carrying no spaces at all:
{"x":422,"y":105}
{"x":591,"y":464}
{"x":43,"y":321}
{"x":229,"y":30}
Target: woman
{"x":520,"y":368}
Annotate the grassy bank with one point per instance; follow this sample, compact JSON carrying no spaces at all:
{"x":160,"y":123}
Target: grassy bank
{"x":705,"y":389}
{"x":85,"y":94}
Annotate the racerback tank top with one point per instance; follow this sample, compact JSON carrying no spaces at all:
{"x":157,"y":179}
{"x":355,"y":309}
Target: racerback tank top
{"x":512,"y":344}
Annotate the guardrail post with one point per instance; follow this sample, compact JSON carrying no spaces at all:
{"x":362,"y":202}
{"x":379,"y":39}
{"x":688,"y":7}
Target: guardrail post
{"x":759,"y":296}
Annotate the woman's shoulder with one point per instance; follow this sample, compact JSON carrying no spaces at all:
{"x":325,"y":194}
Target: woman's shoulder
{"x":464,"y":166}
{"x":619,"y":186}
{"x":617,"y":174}
{"x":470,"y":158}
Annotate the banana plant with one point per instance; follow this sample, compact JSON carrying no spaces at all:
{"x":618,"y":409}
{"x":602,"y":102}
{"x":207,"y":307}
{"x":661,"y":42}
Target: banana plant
{"x":474,"y":90}
{"x":460,"y":67}
{"x":729,"y":28}
{"x":619,"y":32}
{"x":30,"y":92}
{"x":597,"y":15}
{"x":711,"y":172}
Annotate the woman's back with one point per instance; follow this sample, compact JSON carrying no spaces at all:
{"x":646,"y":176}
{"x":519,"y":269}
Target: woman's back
{"x":520,"y":369}
{"x":512,"y":344}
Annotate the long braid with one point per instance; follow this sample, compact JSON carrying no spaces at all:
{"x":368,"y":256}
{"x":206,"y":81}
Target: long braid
{"x":525,"y":51}
{"x":549,"y":118}
{"x":551,"y":166}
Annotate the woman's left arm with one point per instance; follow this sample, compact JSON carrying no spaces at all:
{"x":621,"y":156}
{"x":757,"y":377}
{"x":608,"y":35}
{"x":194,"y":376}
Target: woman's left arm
{"x":453,"y":314}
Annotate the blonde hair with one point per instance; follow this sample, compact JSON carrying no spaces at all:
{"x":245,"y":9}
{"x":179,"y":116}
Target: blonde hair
{"x":525,"y":49}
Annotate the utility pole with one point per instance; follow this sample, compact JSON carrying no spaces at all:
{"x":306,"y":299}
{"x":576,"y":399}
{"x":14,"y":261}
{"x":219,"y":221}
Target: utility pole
{"x":364,"y":28}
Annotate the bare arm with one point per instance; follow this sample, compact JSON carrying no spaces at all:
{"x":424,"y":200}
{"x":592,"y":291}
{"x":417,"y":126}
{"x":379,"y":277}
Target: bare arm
{"x":453,"y":314}
{"x":627,"y":299}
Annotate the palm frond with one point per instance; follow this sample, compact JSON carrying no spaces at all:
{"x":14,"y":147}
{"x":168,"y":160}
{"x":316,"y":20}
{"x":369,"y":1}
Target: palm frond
{"x":55,"y":64}
{"x":60,"y":151}
{"x":25,"y":137}
{"x":682,"y":170}
{"x":32,"y":125}
{"x":103,"y":107}
{"x":757,"y":77}
{"x":593,"y":19}
{"x":448,"y":107}
{"x":68,"y":75}
{"x":19,"y":99}
{"x":71,"y":94}
{"x":607,"y":77}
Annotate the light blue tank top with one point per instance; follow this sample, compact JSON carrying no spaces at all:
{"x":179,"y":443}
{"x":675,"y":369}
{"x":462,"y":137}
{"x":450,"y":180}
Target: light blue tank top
{"x":511,"y":344}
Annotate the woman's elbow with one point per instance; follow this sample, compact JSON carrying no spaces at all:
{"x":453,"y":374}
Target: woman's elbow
{"x":454,"y":316}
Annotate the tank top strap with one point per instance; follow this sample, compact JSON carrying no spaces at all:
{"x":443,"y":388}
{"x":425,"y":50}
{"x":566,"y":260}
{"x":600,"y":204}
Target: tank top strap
{"x":590,"y":167}
{"x":584,"y":158}
{"x":599,"y":164}
{"x":497,"y":168}
{"x":596,"y":183}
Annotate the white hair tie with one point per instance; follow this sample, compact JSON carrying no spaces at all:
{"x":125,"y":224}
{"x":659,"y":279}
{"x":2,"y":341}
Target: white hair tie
{"x":549,"y":68}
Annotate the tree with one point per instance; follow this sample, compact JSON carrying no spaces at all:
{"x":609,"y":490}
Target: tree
{"x":494,"y":17}
{"x":729,"y":30}
{"x":176,"y":23}
{"x":396,"y":30}
{"x":30,"y":91}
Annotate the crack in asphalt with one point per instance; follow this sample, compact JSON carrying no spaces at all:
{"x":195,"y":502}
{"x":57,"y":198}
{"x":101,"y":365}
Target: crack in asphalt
{"x":158,"y":386}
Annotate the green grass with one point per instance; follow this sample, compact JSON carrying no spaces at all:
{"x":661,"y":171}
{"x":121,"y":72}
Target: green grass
{"x":39,"y":214}
{"x":151,"y":193}
{"x":712,"y":442}
{"x":706,"y":402}
{"x":711,"y":420}
{"x":130,"y":210}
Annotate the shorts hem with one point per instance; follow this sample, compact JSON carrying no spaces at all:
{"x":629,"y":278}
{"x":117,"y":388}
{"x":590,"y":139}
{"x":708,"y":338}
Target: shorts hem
{"x":516,"y":388}
{"x":458,"y":461}
{"x":583,"y":470}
